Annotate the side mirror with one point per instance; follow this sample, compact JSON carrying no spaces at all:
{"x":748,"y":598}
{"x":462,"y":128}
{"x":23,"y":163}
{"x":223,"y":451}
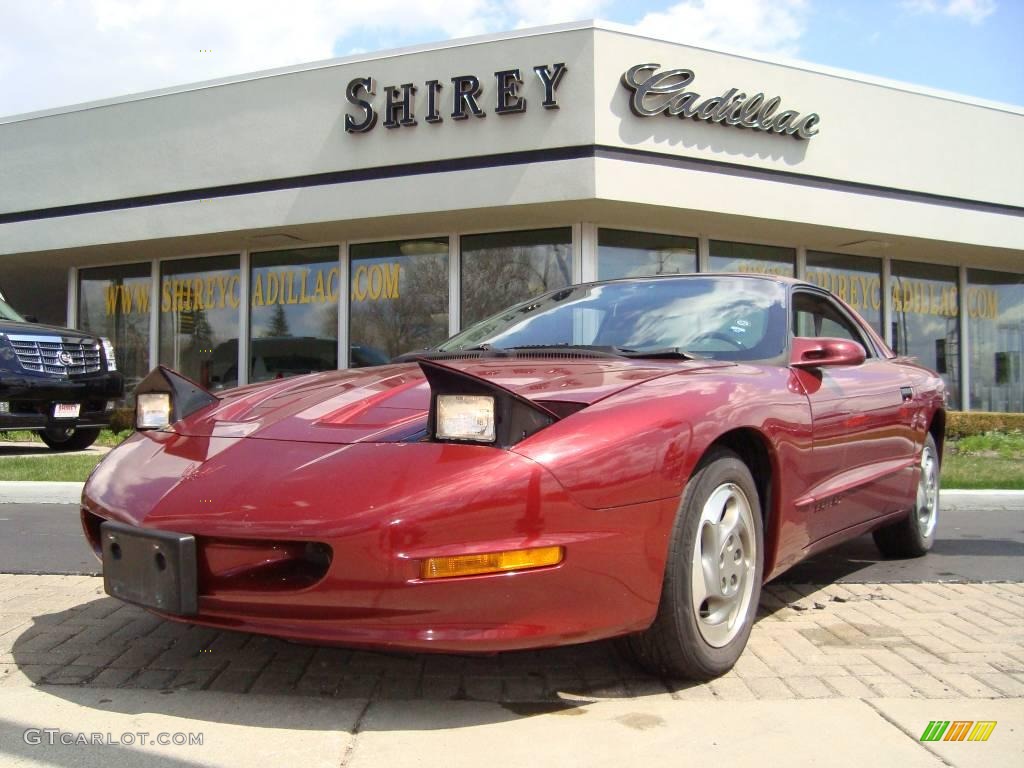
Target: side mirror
{"x":818,"y":353}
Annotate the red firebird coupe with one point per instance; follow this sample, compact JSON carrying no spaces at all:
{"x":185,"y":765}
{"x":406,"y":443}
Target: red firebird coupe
{"x":627,"y":458}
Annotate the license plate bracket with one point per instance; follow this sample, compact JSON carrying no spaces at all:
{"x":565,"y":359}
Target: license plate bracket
{"x":67,"y":410}
{"x":151,"y":568}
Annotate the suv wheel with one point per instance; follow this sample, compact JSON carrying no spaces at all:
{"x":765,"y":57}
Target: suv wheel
{"x":69,"y":438}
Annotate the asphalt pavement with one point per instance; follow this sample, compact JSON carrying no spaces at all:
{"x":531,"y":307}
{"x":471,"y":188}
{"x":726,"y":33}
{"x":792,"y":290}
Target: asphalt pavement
{"x":980,"y":538}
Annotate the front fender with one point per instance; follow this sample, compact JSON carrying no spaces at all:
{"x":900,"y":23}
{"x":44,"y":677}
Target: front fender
{"x":643,"y":444}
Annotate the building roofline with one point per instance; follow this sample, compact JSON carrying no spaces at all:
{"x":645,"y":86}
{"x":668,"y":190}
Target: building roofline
{"x":795,"y":64}
{"x":824,"y":69}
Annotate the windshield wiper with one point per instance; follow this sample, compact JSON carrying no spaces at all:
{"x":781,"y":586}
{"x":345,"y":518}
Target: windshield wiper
{"x":661,"y":353}
{"x":488,"y":350}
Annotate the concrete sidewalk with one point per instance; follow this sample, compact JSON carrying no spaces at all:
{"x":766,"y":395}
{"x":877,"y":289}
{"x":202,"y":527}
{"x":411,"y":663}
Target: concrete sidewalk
{"x":655,"y":730}
{"x":840,"y":675}
{"x":39,"y":492}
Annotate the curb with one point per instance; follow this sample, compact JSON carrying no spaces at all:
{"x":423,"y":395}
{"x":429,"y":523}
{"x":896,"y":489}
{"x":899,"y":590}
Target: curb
{"x":39,"y":492}
{"x":981,"y":492}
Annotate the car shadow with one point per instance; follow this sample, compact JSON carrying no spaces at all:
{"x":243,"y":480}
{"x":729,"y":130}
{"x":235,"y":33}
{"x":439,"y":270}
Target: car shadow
{"x":840,"y":562}
{"x":105,"y":644}
{"x":967,"y":557}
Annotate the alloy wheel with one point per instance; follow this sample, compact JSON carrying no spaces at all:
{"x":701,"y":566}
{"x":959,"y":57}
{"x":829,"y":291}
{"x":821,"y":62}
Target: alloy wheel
{"x":723,"y":565}
{"x":928,"y":492}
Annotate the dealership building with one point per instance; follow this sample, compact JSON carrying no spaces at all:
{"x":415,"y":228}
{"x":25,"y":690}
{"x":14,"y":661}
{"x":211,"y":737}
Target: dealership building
{"x":338,"y":213}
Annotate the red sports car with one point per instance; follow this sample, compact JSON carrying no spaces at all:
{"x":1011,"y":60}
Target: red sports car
{"x":627,"y":458}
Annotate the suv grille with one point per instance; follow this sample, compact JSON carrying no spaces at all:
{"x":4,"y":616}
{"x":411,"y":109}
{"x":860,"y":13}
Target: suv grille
{"x":51,"y":354}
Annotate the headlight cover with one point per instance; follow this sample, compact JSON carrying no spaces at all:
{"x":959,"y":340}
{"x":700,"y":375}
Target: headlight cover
{"x":477,"y":410}
{"x":152,"y":410}
{"x":108,"y":351}
{"x":179,"y":397}
{"x":466,"y":417}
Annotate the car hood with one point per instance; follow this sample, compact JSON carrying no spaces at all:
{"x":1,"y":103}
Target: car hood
{"x":38,"y":329}
{"x":389,"y":403}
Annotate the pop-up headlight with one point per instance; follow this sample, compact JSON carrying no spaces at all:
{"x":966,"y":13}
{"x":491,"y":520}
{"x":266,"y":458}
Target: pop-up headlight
{"x":467,"y":408}
{"x":152,"y":410}
{"x":465,"y":417}
{"x":164,"y":397}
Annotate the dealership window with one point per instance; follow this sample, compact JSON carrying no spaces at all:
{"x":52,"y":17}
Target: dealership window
{"x":995,"y":320}
{"x":622,"y":253}
{"x":925,"y":319}
{"x":857,"y":280}
{"x":114,"y":302}
{"x":199,"y":301}
{"x":746,"y":257}
{"x":398,"y":298}
{"x":502,"y":269}
{"x":293,"y":314}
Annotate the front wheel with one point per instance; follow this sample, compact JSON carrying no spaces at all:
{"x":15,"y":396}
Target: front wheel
{"x":914,"y":535}
{"x":712,"y":578}
{"x":69,"y":438}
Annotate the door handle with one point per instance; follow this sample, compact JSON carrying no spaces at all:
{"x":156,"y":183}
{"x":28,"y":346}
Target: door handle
{"x":907,"y":393}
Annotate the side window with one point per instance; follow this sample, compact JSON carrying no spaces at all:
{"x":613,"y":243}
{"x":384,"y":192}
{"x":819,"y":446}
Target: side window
{"x":815,"y":316}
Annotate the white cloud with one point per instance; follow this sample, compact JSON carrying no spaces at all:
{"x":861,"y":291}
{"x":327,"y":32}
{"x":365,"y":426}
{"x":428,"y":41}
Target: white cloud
{"x":973,"y":11}
{"x":535,"y":13}
{"x":57,"y":52}
{"x":758,"y":26}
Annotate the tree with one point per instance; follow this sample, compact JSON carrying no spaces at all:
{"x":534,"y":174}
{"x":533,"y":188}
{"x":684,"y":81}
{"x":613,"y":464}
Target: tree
{"x":278,"y":323}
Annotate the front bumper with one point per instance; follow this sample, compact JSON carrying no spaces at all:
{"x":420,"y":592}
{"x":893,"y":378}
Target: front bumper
{"x":30,"y":400}
{"x":379,"y":510}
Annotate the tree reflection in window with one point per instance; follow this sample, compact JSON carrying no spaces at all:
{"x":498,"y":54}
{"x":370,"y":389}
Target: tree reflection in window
{"x":502,"y":269}
{"x":398,"y":298}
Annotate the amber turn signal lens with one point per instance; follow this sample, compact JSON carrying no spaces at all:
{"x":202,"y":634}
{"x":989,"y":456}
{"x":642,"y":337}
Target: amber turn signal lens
{"x":491,"y":562}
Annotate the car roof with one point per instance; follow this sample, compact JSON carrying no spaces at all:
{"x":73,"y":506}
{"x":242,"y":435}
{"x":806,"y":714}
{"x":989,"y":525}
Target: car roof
{"x":782,"y":279}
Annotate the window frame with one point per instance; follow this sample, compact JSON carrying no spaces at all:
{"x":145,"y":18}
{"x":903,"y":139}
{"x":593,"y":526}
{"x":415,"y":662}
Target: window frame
{"x":862,"y":337}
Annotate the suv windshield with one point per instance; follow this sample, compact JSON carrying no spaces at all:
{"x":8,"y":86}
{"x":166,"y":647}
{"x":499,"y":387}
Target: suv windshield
{"x":7,"y":312}
{"x":729,"y":318}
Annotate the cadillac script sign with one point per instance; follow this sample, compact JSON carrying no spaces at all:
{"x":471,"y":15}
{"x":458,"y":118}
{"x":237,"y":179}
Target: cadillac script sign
{"x":669,"y":93}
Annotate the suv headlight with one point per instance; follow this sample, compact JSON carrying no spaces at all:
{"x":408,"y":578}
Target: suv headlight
{"x":108,"y":351}
{"x":465,"y":417}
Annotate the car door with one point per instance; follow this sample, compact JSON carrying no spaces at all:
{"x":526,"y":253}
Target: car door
{"x":861,"y":425}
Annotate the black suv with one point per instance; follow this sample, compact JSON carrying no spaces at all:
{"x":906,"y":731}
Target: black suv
{"x":55,"y":381}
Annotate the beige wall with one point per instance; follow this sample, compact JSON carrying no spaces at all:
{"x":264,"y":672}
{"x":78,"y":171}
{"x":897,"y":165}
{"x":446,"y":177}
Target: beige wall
{"x":869,"y":134}
{"x":289,"y":124}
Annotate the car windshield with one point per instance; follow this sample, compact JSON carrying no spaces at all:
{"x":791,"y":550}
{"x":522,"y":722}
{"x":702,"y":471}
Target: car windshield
{"x":7,"y":312}
{"x":729,"y":318}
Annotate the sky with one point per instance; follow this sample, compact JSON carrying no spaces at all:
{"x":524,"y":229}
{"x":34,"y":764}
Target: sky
{"x":59,"y":52}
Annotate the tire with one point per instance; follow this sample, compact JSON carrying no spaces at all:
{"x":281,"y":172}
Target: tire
{"x":69,"y":438}
{"x":700,"y":631}
{"x":914,"y":535}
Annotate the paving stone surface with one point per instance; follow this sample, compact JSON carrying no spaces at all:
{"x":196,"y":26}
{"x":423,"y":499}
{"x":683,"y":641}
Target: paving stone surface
{"x":929,"y":641}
